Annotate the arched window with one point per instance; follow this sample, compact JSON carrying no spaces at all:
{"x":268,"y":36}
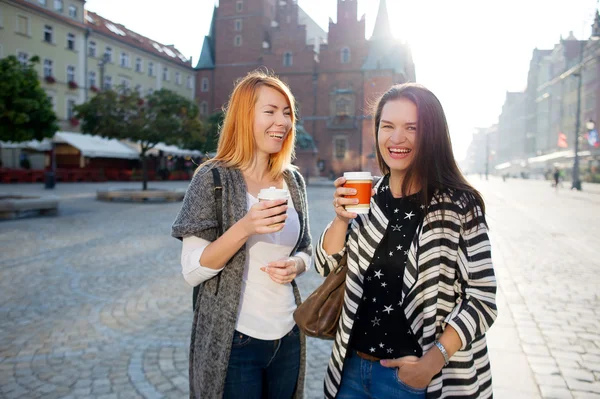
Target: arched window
{"x":345,"y":55}
{"x":288,"y":59}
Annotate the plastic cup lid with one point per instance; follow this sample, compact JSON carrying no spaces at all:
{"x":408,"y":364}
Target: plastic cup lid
{"x":358,"y":176}
{"x":273,"y":193}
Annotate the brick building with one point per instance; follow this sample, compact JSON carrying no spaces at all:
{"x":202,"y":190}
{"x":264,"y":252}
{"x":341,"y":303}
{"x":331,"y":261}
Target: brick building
{"x":334,"y":75}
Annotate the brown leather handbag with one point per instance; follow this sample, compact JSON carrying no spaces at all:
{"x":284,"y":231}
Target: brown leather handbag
{"x":318,"y":316}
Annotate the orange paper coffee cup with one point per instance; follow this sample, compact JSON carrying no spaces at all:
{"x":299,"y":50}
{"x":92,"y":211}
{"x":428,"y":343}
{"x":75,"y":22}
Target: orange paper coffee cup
{"x":362,"y":182}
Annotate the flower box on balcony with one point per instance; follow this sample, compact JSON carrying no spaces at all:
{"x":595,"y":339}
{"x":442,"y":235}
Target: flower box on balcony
{"x":73,"y":85}
{"x":74,"y":121}
{"x":50,"y":79}
{"x":94,"y":89}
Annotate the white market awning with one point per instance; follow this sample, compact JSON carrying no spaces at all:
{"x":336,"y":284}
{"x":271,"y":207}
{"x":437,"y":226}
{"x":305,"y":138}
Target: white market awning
{"x":44,"y":145}
{"x":174,"y":150}
{"x":167,"y":149}
{"x":95,"y":146}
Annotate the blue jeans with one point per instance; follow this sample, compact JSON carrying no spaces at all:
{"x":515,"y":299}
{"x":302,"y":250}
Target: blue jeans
{"x":263,"y":369}
{"x":364,"y":379}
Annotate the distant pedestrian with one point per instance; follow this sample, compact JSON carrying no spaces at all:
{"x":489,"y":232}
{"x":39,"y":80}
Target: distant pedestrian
{"x":556,"y":176}
{"x":245,"y":343}
{"x":420,"y":285}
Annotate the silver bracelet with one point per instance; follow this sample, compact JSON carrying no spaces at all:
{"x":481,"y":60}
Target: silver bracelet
{"x":444,"y":353}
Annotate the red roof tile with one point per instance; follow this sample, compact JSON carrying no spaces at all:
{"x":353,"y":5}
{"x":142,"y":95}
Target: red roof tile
{"x":120,"y":33}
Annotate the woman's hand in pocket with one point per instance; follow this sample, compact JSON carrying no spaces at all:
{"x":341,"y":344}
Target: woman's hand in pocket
{"x":411,"y":371}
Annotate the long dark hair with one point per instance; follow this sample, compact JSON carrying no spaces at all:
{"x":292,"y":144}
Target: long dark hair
{"x":433,"y":168}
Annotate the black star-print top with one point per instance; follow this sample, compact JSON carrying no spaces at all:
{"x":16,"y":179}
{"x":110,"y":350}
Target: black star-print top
{"x":380,"y":328}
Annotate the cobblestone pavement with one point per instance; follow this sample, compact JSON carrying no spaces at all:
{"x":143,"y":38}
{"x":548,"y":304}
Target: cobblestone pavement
{"x":93,"y":305}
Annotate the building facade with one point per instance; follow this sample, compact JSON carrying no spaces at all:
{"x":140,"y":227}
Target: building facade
{"x":511,"y":128}
{"x":537,"y":128}
{"x":71,"y":43}
{"x":334,"y":75}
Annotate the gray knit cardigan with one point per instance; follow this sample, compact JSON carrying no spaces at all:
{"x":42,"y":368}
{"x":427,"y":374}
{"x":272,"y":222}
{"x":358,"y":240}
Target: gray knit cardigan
{"x":219,"y":298}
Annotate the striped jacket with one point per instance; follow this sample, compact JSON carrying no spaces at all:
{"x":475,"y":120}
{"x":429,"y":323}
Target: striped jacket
{"x":449,"y":280}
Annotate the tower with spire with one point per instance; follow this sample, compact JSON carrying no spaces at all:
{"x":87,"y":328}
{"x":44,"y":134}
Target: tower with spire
{"x":334,"y":75}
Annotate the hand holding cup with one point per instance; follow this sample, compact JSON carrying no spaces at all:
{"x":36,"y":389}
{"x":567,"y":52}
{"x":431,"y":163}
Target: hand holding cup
{"x":266,"y":217}
{"x":352,"y":195}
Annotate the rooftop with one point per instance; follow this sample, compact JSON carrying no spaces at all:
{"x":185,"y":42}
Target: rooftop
{"x":120,"y":33}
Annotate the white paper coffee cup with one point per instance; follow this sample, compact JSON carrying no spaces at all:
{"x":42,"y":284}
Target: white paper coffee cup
{"x":273,"y":193}
{"x":362,"y":182}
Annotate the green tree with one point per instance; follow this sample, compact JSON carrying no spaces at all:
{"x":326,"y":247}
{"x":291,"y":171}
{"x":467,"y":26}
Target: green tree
{"x":26,"y":112}
{"x":213,"y":126}
{"x":163,"y":116}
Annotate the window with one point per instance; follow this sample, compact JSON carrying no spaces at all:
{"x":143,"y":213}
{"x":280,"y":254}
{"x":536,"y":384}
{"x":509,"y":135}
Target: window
{"x":345,"y":55}
{"x":58,"y":5}
{"x":177,"y":78}
{"x":166,"y":74}
{"x":138,"y":64}
{"x":150,"y":69}
{"x":92,"y":78}
{"x":70,"y":73}
{"x":73,"y":11}
{"x":108,"y":52}
{"x":125,"y":85}
{"x":150,"y":91}
{"x":342,"y":107}
{"x":107,"y":82}
{"x":288,"y":59}
{"x":340,"y":145}
{"x":203,"y":108}
{"x":70,"y":108}
{"x":205,"y":86}
{"x":47,"y":68}
{"x":237,"y":42}
{"x":92,"y":49}
{"x":42,"y":2}
{"x":48,"y":33}
{"x":238,"y":25}
{"x":51,"y":100}
{"x":23,"y":57}
{"x":70,"y":41}
{"x":124,"y":60}
{"x":23,"y":25}
{"x":139,"y":90}
{"x":239,"y":6}
{"x":189,"y":82}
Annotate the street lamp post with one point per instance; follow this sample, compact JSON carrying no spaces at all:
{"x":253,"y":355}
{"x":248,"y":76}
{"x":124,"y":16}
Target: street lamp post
{"x":576,"y":183}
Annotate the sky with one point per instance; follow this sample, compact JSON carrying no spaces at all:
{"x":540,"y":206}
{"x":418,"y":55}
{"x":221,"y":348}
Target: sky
{"x":468,"y":52}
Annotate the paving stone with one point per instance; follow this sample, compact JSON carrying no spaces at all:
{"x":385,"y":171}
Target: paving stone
{"x":584,"y":395}
{"x":583,"y":386}
{"x":551,"y":381}
{"x":578,"y":374}
{"x":551,"y":392}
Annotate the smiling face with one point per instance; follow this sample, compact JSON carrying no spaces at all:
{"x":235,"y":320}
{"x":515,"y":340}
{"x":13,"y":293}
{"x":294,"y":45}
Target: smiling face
{"x":272,"y":121}
{"x":396,"y":135}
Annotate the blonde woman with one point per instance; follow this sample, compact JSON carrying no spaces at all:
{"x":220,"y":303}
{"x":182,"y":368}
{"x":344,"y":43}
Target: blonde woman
{"x":244,"y":339}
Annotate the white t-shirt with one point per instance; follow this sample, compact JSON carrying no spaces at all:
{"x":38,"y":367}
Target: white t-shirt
{"x":266,"y":307}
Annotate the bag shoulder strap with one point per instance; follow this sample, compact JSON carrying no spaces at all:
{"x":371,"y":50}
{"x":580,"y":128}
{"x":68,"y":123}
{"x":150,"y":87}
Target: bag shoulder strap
{"x":218,"y":198}
{"x":219,"y":211}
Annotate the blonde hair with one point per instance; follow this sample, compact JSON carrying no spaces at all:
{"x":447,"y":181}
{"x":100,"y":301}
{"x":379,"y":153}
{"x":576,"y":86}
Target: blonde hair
{"x":236,"y":146}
